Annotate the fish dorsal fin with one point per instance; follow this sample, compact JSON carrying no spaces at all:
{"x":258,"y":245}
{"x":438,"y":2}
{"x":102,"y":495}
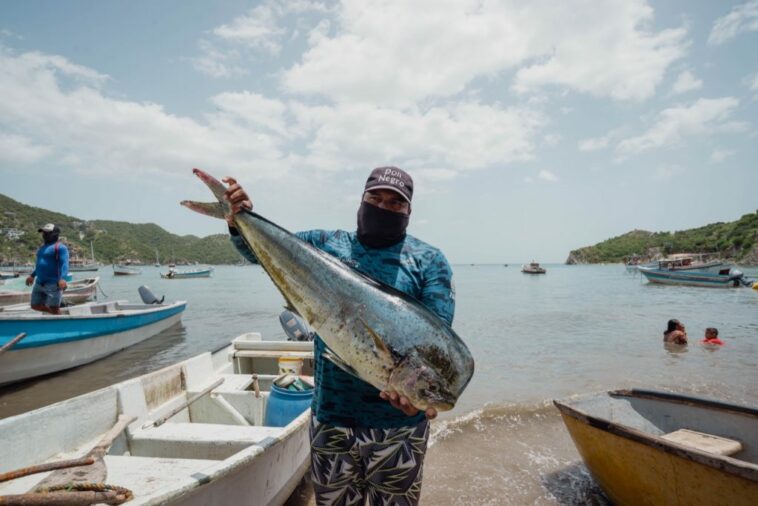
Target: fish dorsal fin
{"x":334,"y":359}
{"x":380,"y":347}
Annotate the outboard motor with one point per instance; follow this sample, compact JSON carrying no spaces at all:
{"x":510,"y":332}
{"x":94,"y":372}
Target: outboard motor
{"x":294,"y":326}
{"x":737,"y":277}
{"x":148,"y":297}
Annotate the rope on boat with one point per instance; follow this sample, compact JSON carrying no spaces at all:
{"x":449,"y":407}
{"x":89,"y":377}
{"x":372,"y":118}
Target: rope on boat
{"x":42,"y":468}
{"x":72,"y":494}
{"x":101,"y":291}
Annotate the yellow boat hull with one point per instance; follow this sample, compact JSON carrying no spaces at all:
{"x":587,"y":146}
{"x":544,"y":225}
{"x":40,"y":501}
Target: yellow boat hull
{"x":633,"y":473}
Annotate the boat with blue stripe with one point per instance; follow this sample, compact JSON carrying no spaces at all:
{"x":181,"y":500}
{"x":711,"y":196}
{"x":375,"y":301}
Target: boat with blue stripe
{"x":203,"y":272}
{"x":724,"y":278}
{"x":79,"y":335}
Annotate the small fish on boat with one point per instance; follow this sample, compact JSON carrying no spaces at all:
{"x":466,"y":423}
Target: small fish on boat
{"x":373,"y":331}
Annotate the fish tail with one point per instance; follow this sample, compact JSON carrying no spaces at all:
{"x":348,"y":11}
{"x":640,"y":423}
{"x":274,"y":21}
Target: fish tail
{"x":212,"y":209}
{"x":216,"y":186}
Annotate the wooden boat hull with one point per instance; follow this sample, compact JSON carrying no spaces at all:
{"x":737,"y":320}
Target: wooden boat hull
{"x":56,"y":343}
{"x":122,"y":270}
{"x":77,"y":292}
{"x":201,"y":456}
{"x":636,"y":468}
{"x":689,"y":278}
{"x":204,"y":273}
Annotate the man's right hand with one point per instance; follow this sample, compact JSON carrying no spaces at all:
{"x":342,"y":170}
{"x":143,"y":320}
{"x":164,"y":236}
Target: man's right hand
{"x":29,"y":280}
{"x":237,"y":197}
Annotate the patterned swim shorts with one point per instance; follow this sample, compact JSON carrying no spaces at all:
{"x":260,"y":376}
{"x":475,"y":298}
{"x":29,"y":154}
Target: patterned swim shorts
{"x":367,"y":466}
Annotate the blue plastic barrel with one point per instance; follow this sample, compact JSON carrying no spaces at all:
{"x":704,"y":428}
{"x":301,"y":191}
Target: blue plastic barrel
{"x":285,"y":405}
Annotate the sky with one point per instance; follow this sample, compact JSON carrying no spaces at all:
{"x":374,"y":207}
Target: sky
{"x":530,"y":128}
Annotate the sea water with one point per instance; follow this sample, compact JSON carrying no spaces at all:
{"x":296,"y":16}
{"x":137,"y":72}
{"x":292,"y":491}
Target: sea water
{"x":535,"y":338}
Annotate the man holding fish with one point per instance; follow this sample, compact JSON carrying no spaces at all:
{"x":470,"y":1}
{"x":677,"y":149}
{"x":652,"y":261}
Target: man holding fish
{"x":386,"y":357}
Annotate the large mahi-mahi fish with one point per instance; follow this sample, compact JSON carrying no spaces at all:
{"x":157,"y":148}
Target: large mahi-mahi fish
{"x":377,"y":333}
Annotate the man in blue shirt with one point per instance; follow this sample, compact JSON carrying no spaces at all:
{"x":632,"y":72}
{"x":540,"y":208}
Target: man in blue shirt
{"x":366,"y":444}
{"x":50,"y":270}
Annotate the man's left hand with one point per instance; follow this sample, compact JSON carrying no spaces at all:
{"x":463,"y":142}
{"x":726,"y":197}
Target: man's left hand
{"x":402,"y":403}
{"x":62,"y":284}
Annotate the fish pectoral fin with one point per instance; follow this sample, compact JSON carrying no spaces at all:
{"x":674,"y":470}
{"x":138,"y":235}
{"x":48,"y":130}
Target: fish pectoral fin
{"x":380,"y":347}
{"x":334,"y":359}
{"x":212,"y":209}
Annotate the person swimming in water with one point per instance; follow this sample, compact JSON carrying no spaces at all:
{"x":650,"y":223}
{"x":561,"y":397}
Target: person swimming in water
{"x":675,"y":333}
{"x":712,"y":337}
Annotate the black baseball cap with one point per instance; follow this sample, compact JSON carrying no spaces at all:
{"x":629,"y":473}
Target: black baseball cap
{"x":391,"y":178}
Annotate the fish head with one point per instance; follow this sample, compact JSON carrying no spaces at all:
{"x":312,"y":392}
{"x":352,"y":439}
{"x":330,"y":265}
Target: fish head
{"x":424,"y":386}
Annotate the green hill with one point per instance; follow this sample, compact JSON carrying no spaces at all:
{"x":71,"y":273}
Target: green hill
{"x":735,"y":241}
{"x":113,"y":241}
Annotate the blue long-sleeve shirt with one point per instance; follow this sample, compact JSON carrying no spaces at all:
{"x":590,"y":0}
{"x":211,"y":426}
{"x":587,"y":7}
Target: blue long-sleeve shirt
{"x":51,"y":267}
{"x":411,"y":266}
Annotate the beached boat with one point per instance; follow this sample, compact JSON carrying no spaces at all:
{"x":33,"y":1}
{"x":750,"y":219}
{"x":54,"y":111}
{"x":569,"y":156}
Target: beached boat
{"x":646,"y":447}
{"x":78,"y":291}
{"x":533,"y":268}
{"x":79,"y":335}
{"x":188,"y":274}
{"x":728,"y":277}
{"x":125,"y":270}
{"x":214,"y":447}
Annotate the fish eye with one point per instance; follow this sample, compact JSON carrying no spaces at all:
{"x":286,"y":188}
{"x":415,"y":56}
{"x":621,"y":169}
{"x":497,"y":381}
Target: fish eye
{"x":433,"y":388}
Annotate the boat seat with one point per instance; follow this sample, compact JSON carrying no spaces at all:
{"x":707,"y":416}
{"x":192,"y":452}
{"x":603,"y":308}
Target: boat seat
{"x":704,"y":442}
{"x":145,"y":475}
{"x":200,"y":440}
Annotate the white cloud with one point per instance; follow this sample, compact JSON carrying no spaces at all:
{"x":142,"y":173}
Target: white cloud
{"x":720,"y":155}
{"x":595,"y":143}
{"x":668,"y":172}
{"x":86,"y":130}
{"x":685,"y":82}
{"x":460,"y":136}
{"x":259,"y":29}
{"x":705,"y":116}
{"x":548,"y":176}
{"x":742,"y":18}
{"x":226,"y":50}
{"x":399,"y":52}
{"x":215,"y":62}
{"x":60,"y":105}
{"x":18,"y":149}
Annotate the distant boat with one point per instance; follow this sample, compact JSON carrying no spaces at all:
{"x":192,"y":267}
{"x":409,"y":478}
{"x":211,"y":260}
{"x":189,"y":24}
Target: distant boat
{"x":157,"y":259}
{"x":8,"y":275}
{"x":77,"y":292}
{"x":533,"y":268}
{"x":727,"y":277}
{"x":645,"y":447}
{"x":80,"y":265}
{"x":125,"y":270}
{"x":188,"y":274}
{"x":79,"y":335}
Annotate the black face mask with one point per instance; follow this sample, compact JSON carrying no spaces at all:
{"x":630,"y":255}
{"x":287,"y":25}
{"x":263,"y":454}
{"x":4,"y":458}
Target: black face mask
{"x":50,"y":237}
{"x":379,"y":228}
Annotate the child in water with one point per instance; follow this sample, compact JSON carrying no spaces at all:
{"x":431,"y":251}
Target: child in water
{"x":712,"y":337}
